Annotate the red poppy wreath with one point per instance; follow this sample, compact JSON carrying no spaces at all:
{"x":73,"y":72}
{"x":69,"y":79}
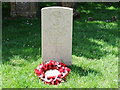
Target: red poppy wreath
{"x":52,"y":72}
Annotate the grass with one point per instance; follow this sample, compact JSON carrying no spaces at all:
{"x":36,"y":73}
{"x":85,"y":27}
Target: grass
{"x":94,"y":55}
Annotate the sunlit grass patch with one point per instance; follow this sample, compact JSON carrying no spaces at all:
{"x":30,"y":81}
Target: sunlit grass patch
{"x":111,"y":8}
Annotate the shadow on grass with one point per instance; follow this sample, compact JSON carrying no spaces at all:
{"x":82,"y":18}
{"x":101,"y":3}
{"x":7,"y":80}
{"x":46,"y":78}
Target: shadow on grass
{"x":25,"y":41}
{"x":21,"y":39}
{"x":82,"y":72}
{"x":90,"y":39}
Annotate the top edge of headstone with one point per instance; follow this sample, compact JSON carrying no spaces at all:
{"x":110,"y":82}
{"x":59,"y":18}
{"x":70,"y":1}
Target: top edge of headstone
{"x":57,"y":7}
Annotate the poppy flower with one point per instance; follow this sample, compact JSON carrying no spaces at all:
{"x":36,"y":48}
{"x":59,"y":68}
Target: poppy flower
{"x":52,"y":72}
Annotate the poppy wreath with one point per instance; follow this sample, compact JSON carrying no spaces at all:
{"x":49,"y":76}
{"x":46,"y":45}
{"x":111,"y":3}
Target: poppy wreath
{"x":52,"y":65}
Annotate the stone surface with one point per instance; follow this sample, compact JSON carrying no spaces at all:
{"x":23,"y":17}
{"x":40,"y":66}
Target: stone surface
{"x":57,"y":34}
{"x":26,"y":9}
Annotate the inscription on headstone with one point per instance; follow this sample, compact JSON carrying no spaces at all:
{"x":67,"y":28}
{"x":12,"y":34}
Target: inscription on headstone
{"x":57,"y":34}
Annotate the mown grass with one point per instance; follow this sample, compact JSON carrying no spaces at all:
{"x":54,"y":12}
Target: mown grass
{"x":94,"y":53}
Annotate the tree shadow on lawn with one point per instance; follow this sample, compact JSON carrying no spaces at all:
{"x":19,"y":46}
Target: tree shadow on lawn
{"x":82,"y":72}
{"x":98,"y":9}
{"x":24,"y":40}
{"x":21,"y":39}
{"x":88,"y":39}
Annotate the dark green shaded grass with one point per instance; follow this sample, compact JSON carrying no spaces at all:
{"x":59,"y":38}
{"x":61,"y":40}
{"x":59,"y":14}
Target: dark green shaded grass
{"x":94,"y":54}
{"x":22,"y":42}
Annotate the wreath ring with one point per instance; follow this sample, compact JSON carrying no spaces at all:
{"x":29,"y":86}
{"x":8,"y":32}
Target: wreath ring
{"x":59,"y":68}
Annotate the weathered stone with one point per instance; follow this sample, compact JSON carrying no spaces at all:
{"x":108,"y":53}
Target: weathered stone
{"x":26,"y":9}
{"x":57,"y":34}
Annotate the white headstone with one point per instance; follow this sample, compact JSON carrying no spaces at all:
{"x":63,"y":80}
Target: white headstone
{"x":57,"y":34}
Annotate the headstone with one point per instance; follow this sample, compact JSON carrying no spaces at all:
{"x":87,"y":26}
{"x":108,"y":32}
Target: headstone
{"x":57,"y":34}
{"x":25,"y":9}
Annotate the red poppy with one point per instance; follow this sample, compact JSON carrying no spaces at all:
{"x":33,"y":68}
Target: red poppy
{"x":52,"y":65}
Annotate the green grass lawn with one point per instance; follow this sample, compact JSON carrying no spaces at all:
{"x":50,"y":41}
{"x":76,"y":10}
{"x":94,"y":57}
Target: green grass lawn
{"x":94,"y":53}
